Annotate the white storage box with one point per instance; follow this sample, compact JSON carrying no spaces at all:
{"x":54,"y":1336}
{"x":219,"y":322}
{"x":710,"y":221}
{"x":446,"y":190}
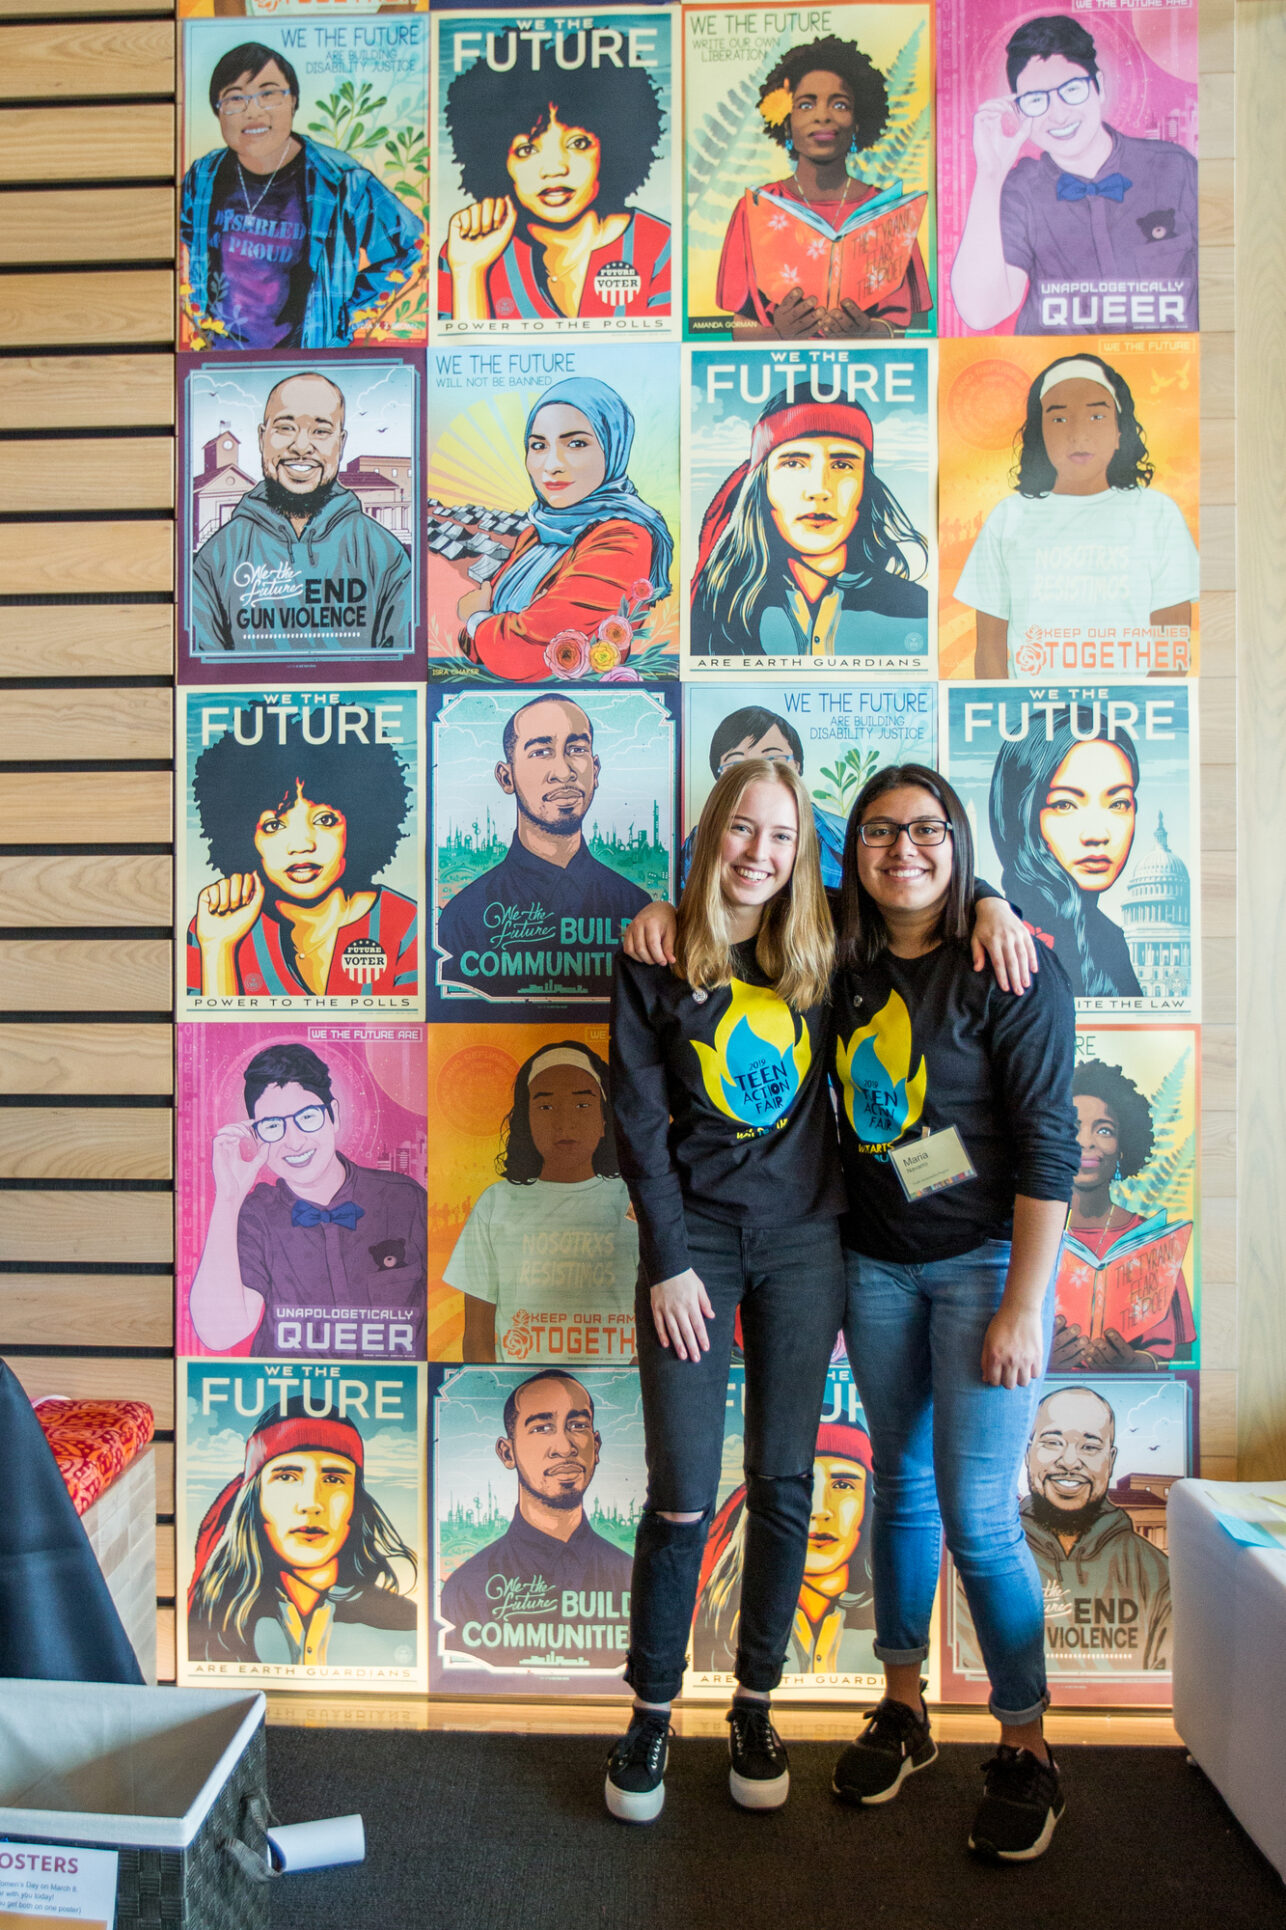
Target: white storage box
{"x":173,"y":1779}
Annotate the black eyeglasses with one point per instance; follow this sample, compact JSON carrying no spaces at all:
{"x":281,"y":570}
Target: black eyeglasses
{"x":309,"y":1119}
{"x":880,"y":833}
{"x":1072,"y":93}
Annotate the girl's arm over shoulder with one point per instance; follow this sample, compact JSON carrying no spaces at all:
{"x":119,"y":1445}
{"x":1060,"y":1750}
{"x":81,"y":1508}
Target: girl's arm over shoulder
{"x":649,"y":939}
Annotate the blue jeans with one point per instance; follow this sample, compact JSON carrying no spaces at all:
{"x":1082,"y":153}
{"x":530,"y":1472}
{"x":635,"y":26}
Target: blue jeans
{"x":788,"y":1281}
{"x":946,"y":1450}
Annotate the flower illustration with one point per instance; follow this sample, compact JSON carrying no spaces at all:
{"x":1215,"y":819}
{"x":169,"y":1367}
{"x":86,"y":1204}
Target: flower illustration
{"x":617,"y":631}
{"x":567,"y":654}
{"x":776,"y":106}
{"x":603,"y":656}
{"x":621,"y":675}
{"x":642,"y":590}
{"x":1029,"y":659}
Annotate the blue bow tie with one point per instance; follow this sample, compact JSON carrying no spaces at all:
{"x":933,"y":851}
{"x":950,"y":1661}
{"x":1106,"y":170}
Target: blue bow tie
{"x":1112,"y":187}
{"x":347,"y":1213}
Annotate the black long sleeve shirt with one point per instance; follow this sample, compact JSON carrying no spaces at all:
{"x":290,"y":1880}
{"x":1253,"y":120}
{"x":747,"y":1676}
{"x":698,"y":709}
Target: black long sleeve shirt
{"x":720,"y":1105}
{"x":930,"y":1042}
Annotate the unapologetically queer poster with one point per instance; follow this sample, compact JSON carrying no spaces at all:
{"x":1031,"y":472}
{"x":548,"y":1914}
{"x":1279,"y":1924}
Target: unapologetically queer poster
{"x":301,"y":1525}
{"x":809,"y":519}
{"x":1084,"y":806}
{"x":300,"y":531}
{"x":555,"y":173}
{"x":1100,"y":1461}
{"x":304,"y":207}
{"x":553,"y":824}
{"x":1068,"y":507}
{"x":1130,"y":1272}
{"x":1067,"y":169}
{"x":533,"y":1246}
{"x":537,"y":1486}
{"x":554,"y":512}
{"x":301,"y":859}
{"x":831,"y":1651}
{"x":836,"y":737}
{"x":809,"y":170}
{"x":302,"y":1204}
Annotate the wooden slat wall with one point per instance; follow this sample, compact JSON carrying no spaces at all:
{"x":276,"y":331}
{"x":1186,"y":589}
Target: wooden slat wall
{"x":84,"y":860}
{"x":86,"y":656}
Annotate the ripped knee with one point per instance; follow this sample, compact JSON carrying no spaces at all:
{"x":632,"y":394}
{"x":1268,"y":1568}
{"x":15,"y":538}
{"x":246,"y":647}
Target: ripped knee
{"x":684,"y":1519}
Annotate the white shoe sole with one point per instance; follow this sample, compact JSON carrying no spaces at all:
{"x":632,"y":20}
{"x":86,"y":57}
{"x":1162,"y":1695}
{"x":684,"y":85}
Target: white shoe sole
{"x":1038,"y":1848}
{"x":634,"y":1805}
{"x":908,"y":1768}
{"x":754,"y":1795}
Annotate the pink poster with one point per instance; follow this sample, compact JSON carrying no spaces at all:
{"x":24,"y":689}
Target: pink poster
{"x":1067,"y":172}
{"x":301,"y":1191}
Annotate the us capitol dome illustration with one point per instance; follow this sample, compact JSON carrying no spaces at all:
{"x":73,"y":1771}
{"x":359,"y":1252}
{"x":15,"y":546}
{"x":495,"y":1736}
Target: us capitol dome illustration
{"x":1157,"y":916}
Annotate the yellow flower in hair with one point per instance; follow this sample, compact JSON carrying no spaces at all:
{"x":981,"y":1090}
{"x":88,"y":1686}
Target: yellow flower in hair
{"x":775,"y":107}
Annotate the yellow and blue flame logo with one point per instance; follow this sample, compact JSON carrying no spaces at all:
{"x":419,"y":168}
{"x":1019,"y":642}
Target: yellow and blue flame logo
{"x":759,"y":1059}
{"x":882,"y":1099}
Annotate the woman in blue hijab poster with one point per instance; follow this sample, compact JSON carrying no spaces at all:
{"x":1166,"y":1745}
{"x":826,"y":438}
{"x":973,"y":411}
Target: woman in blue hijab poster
{"x":551,"y":507}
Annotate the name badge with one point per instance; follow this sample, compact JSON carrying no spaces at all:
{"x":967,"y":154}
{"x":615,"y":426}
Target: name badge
{"x":931,"y":1164}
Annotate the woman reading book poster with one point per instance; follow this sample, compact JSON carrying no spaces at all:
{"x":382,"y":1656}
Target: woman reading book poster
{"x":1114,"y":1126}
{"x":803,"y":549}
{"x":794,"y":259}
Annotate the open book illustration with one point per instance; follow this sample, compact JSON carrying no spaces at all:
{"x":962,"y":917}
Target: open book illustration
{"x":862,"y":260}
{"x":1131,"y":1287}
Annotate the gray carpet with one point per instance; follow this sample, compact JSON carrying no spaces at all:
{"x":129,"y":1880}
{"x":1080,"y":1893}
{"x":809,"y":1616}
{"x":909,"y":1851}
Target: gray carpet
{"x":487,"y":1832}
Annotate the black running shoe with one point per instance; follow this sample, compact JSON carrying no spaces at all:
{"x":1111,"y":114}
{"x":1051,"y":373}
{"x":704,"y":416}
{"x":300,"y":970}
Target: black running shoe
{"x":759,"y":1773}
{"x":896,"y":1743}
{"x":1020,"y":1806}
{"x":635,"y":1787}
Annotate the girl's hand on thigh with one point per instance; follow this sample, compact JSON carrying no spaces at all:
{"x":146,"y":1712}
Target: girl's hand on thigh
{"x":1013,"y":1352}
{"x":678,"y":1305}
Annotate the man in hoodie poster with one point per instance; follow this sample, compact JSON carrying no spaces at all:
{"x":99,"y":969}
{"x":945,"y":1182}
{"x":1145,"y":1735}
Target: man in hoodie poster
{"x":299,"y":567}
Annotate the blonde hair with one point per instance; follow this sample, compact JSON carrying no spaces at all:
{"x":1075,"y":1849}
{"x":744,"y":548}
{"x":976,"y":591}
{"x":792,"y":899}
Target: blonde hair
{"x":796,"y":942}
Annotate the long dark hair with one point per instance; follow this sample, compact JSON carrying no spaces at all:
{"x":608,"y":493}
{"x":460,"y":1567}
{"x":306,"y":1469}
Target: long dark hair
{"x":1030,"y":873}
{"x":863,"y":934}
{"x":518,"y":1161}
{"x":1034,"y":474}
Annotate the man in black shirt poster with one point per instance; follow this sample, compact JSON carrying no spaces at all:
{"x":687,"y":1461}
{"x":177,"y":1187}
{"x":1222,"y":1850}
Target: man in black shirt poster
{"x":550,"y":1588}
{"x":546,"y":921}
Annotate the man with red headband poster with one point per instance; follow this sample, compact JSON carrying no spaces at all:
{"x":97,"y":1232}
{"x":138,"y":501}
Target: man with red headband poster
{"x":834,"y":1626}
{"x":296,"y":1565}
{"x":816,"y":547}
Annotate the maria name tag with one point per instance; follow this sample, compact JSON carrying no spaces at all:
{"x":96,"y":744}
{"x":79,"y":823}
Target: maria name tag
{"x":931,"y":1164}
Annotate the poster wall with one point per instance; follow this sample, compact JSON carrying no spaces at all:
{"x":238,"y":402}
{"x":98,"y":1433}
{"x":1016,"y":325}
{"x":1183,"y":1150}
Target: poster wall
{"x":553,"y":512}
{"x":303,"y":213}
{"x":519,"y":1604}
{"x":1067,"y":168}
{"x":809,"y":526}
{"x":540,"y":122}
{"x":301,"y":1525}
{"x":1069,"y":480}
{"x":1083,"y":802}
{"x":809,"y":170}
{"x":553,"y":824}
{"x":302,"y":1218}
{"x":533,"y":1244}
{"x":301,"y":855}
{"x":300,"y":535}
{"x":1100,"y":1461}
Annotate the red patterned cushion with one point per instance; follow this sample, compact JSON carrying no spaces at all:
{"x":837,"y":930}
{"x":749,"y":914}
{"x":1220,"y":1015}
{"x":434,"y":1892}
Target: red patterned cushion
{"x":93,"y":1441}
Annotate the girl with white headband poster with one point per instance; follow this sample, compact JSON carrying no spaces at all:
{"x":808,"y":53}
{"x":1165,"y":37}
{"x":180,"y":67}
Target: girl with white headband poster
{"x":549,"y":1254}
{"x":1086,"y":568}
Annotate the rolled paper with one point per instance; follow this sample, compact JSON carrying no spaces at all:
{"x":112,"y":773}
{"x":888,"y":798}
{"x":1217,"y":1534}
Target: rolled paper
{"x":317,"y":1846}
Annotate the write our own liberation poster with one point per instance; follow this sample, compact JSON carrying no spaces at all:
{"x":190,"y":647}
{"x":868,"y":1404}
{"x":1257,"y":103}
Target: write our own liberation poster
{"x":572,"y":407}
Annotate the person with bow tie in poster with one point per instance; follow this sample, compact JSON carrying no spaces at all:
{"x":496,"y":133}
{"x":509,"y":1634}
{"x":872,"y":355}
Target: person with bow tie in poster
{"x":307,"y":1253}
{"x":1098,"y":234}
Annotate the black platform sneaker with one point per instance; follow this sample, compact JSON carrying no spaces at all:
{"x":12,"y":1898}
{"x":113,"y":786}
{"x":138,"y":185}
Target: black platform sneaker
{"x":759,"y":1772}
{"x":635,"y":1786}
{"x":1021,"y":1804}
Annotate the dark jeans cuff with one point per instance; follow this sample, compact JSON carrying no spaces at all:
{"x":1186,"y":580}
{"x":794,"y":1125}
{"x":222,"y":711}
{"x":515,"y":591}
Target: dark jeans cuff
{"x":901,"y":1658}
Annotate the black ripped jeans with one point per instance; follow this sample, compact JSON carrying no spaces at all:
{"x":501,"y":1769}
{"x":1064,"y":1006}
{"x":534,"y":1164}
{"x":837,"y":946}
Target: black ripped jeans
{"x":788,"y":1281}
